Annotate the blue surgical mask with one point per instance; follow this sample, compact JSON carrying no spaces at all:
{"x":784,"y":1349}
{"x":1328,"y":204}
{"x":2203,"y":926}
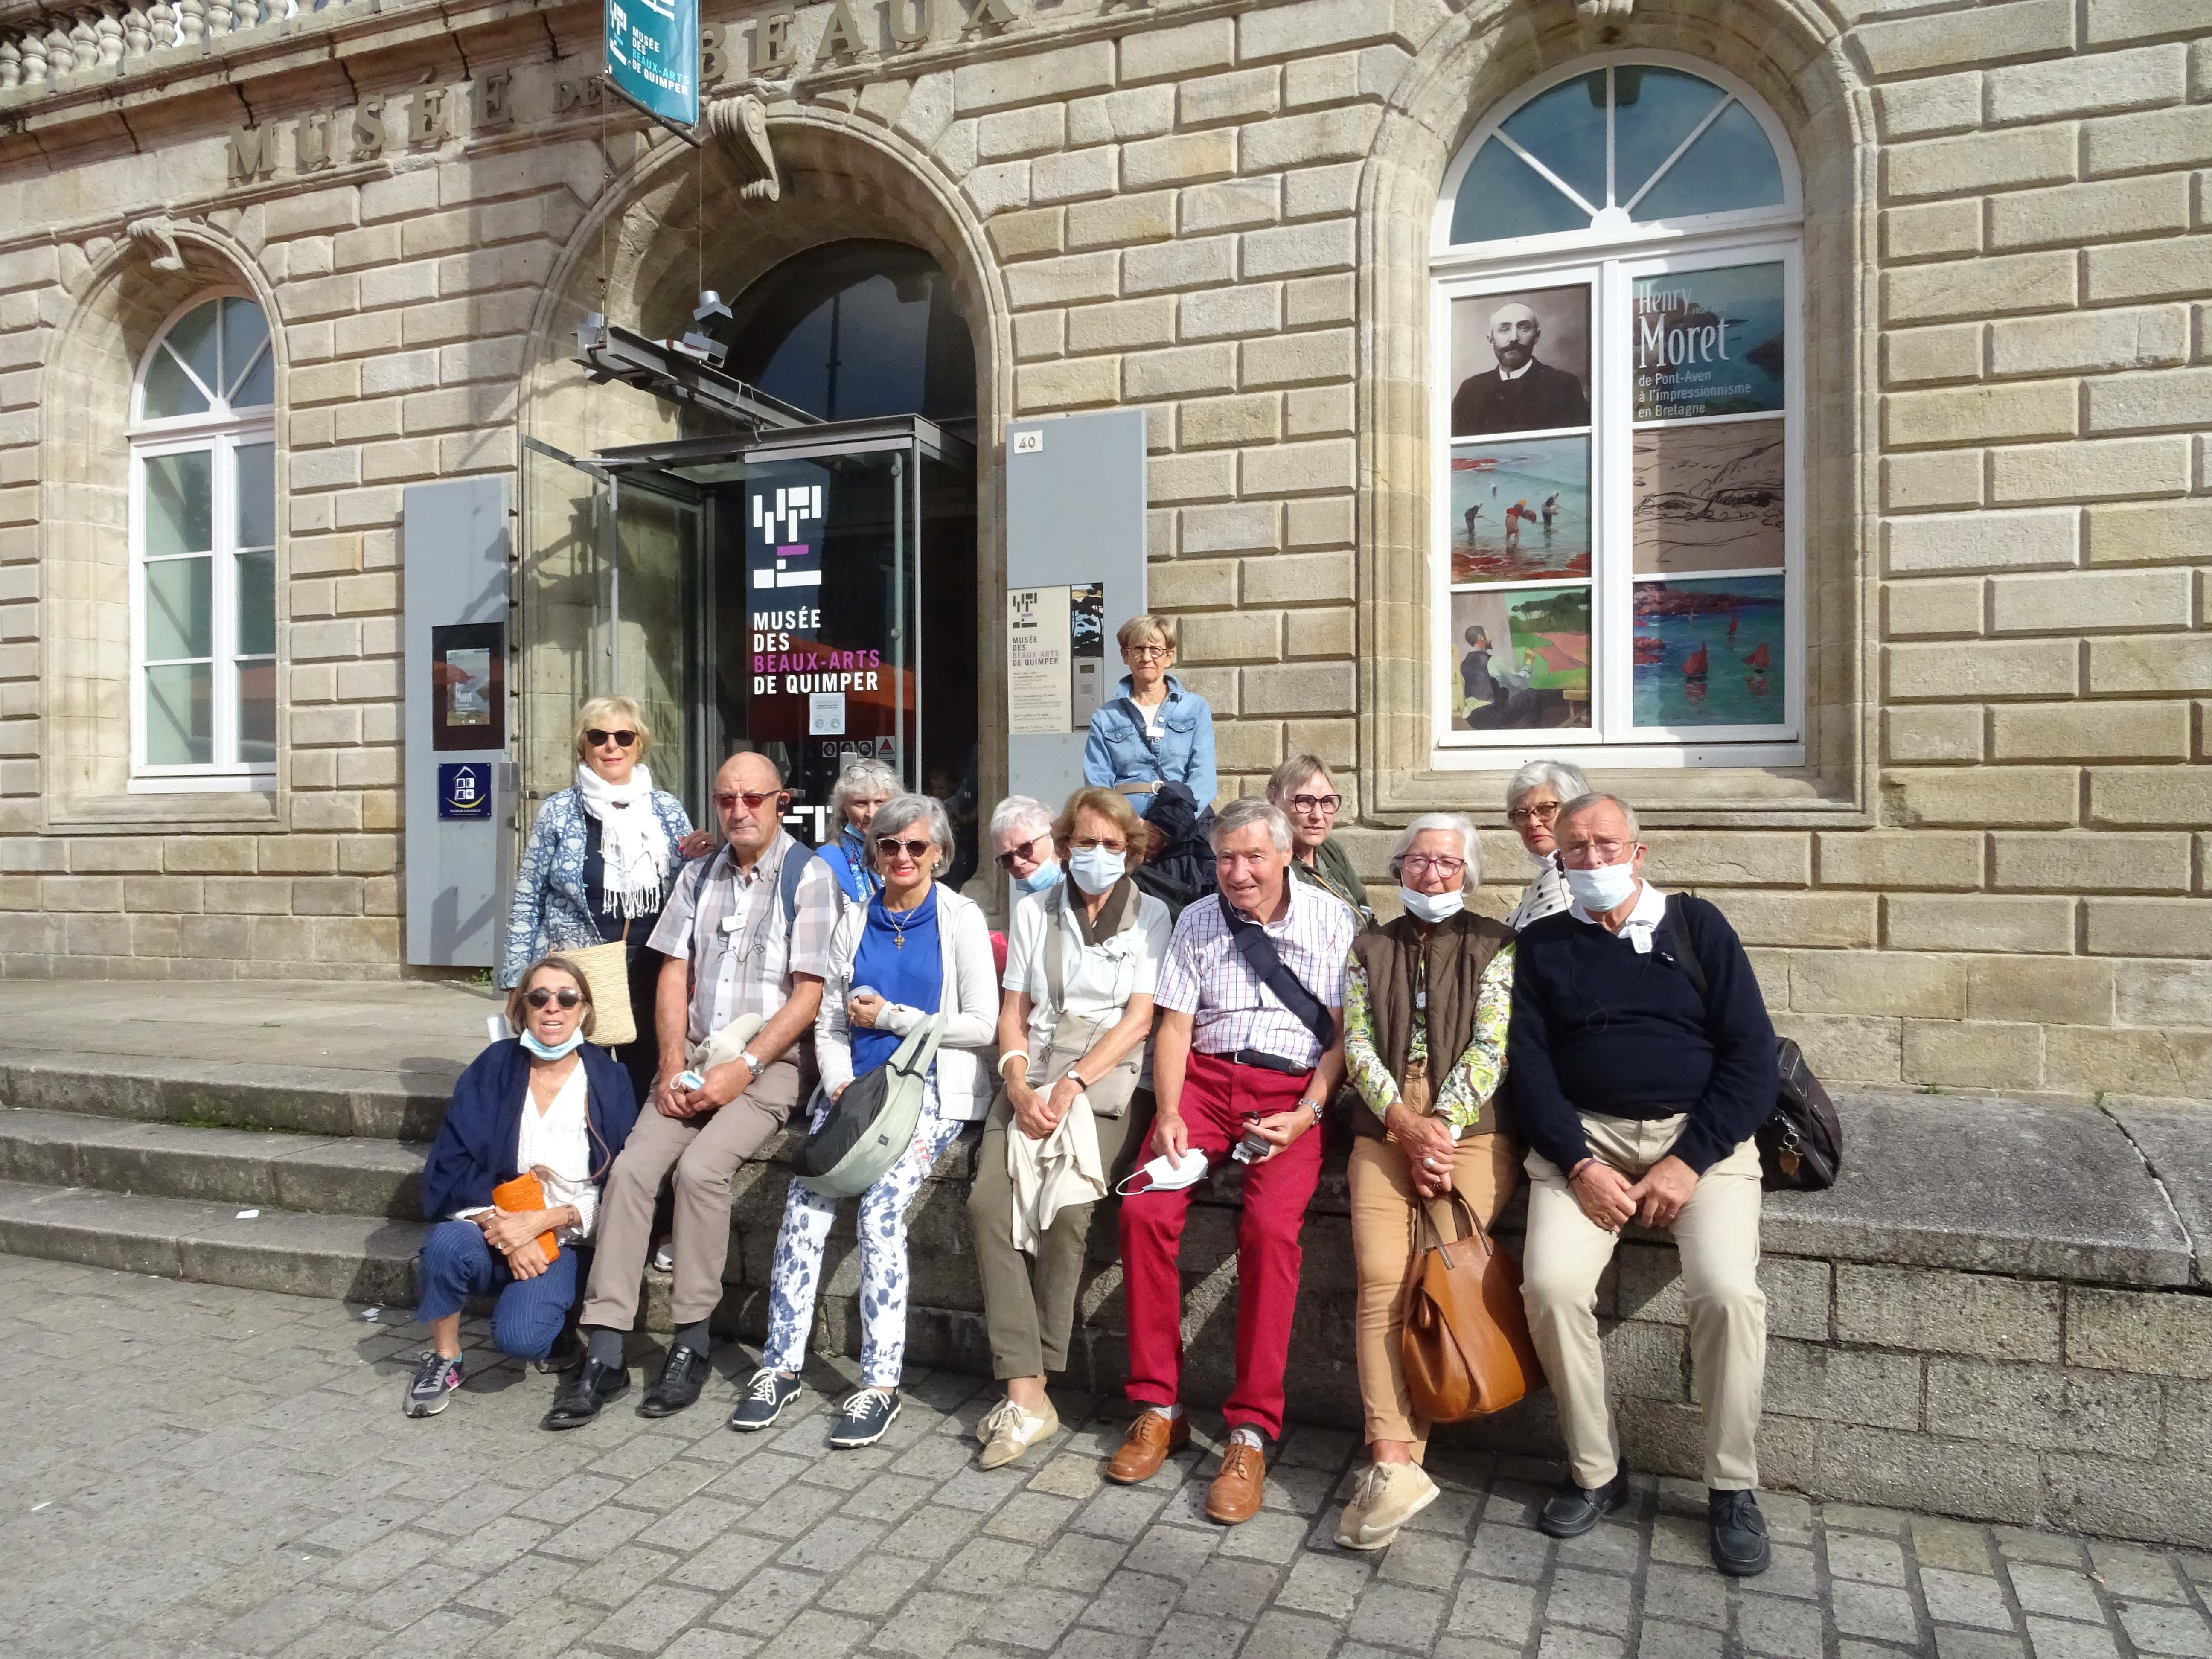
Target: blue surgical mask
{"x":547,"y":1051}
{"x":1042,"y":879}
{"x":1094,"y":869}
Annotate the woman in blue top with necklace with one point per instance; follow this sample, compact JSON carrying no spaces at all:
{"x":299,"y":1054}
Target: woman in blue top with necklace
{"x":914,"y":950}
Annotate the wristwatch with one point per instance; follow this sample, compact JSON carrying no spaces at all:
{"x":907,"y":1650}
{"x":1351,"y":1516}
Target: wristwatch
{"x":752,"y":1063}
{"x":1081,"y":1081}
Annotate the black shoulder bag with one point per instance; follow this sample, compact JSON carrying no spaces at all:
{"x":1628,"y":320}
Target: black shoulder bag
{"x":1259,"y":953}
{"x":1801,"y":1144}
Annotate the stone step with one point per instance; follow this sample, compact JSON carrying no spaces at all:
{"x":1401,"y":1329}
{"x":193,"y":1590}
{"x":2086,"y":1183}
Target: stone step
{"x":403,"y":1103}
{"x":322,"y":1174}
{"x":358,"y":1258}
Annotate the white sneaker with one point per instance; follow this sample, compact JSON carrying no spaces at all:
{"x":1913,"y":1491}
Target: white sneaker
{"x":1007,"y":1431}
{"x":663,"y":1256}
{"x":1389,"y":1495}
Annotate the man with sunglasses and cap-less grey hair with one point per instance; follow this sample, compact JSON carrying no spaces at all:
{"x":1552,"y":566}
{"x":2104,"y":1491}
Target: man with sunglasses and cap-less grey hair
{"x":743,"y":935}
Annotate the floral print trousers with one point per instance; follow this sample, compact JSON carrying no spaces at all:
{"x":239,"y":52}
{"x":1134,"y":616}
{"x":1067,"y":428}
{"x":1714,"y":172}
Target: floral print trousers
{"x":797,"y":1273}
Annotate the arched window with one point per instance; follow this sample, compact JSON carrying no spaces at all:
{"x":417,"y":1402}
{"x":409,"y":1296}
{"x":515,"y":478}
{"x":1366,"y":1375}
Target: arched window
{"x":1618,"y":551}
{"x":203,"y":551}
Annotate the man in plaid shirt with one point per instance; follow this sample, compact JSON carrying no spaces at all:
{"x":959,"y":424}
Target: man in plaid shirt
{"x":732,"y":950}
{"x":1230,"y":1059}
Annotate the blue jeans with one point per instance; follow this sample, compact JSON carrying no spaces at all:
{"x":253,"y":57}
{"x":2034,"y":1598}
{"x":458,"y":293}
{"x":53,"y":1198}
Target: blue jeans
{"x":457,"y":1264}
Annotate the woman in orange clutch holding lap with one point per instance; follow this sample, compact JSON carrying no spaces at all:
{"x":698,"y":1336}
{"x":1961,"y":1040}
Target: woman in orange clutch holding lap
{"x":513,"y":1180}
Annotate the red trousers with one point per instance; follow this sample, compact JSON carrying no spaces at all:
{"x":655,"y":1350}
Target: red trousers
{"x":1217,"y":1099}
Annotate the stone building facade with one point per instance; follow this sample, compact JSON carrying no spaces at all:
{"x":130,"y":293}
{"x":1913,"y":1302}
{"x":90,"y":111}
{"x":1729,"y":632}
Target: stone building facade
{"x":1972,"y":848}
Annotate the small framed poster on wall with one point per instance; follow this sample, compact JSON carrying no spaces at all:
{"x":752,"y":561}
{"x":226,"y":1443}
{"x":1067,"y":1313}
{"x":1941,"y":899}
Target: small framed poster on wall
{"x":468,"y":686}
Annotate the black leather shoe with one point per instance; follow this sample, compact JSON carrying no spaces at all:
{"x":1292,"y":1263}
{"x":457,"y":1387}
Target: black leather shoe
{"x":589,"y":1387}
{"x":1740,"y":1545}
{"x":1575,"y":1509}
{"x":682,"y":1374}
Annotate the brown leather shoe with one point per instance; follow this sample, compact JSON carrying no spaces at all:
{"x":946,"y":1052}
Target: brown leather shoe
{"x":1151,"y":1439}
{"x":1235,"y":1491}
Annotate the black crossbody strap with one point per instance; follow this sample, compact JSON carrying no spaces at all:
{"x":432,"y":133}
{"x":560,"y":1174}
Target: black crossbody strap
{"x":1259,"y":953}
{"x":1685,"y":952}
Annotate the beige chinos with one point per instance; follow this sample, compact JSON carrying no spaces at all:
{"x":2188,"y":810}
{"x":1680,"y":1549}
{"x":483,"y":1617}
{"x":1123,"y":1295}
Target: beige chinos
{"x":705,"y":1152}
{"x":1717,"y":1235}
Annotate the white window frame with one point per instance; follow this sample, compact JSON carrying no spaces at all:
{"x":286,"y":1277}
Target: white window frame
{"x":220,"y":434}
{"x":1609,"y":256}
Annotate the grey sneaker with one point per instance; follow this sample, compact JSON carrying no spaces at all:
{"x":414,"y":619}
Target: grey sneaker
{"x":435,"y":1378}
{"x":766,"y":1396}
{"x":866,"y":1415}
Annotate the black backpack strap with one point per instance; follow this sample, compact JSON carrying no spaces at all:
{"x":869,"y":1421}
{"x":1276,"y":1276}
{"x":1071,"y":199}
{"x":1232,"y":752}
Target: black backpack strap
{"x":795,"y":860}
{"x":1685,"y":952}
{"x":1259,"y":953}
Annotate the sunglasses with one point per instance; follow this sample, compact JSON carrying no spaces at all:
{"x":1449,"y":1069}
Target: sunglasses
{"x":1026,"y":850}
{"x":753,"y":799}
{"x":598,"y":739}
{"x":1542,"y":812}
{"x":568,"y":996}
{"x":915,"y":850}
{"x":1323,"y":804}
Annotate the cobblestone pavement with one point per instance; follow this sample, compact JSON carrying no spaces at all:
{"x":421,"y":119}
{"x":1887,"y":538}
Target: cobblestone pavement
{"x":194,"y":1470}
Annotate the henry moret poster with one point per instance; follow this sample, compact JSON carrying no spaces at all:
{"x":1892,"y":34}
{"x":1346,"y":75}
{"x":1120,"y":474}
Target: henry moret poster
{"x":1709,"y":343}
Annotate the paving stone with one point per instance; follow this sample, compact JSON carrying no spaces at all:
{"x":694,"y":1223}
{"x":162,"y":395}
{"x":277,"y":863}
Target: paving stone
{"x":1661,"y":1640}
{"x":1504,"y":1552}
{"x":1957,"y":1641}
{"x":649,"y":1621}
{"x":765,"y":1602}
{"x":2056,"y":1591}
{"x":1495,"y":1612}
{"x":1870,"y":1560}
{"x":2138,"y":1574}
{"x":2059,"y":1638}
{"x":1265,"y":1537}
{"x":1289,"y":1636}
{"x":1177,"y":1553}
{"x":1875,"y":1610}
{"x":1963,"y":1598}
{"x":1132,"y":1604}
{"x":1234,"y":1589}
{"x":1194,"y":1636}
{"x":930,"y":1624}
{"x":1031,"y":1616}
{"x":1078,"y":1563}
{"x":2160,"y":1629}
{"x":1391,"y":1615}
{"x":1325,"y":1584}
{"x":1681,"y":1593}
{"x":1594,"y":1599}
{"x":1775,"y":1625}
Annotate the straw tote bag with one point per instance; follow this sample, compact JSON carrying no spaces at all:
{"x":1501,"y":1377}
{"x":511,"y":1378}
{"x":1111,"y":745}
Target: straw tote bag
{"x":605,"y":968}
{"x":1466,"y":1349}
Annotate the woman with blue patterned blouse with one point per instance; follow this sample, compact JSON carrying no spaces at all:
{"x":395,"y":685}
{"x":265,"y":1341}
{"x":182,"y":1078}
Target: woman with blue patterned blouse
{"x":1427,"y":997}
{"x":603,"y":858}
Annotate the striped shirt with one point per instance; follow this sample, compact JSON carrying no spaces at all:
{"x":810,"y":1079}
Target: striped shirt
{"x":749,"y":958}
{"x":1206,"y":976}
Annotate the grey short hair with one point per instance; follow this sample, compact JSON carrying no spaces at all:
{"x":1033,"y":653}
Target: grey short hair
{"x":1590,"y":798}
{"x":1566,"y":780}
{"x":861,"y":779}
{"x":900,"y":811}
{"x":1460,"y":824}
{"x":1292,"y":773}
{"x":1245,"y":811}
{"x":1016,"y":812}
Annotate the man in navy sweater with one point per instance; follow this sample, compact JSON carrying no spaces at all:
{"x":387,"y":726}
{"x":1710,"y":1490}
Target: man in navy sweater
{"x":1638,"y":1098}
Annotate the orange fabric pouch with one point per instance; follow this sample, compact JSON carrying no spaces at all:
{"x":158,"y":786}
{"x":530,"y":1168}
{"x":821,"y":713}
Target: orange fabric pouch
{"x":527,"y":1192}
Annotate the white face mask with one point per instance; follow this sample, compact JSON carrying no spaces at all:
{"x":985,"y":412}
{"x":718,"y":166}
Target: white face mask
{"x":1167,"y":1176}
{"x":1432,"y":907}
{"x":1606,"y":888}
{"x":1094,"y":869}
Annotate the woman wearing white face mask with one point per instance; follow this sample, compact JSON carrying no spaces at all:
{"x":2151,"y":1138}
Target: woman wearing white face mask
{"x":1082,"y":960}
{"x":1427,"y":997}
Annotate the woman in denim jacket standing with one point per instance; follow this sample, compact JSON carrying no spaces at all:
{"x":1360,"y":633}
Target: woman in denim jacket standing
{"x":1155,"y":732}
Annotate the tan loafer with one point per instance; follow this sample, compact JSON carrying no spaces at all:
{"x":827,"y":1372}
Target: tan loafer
{"x":1010,"y":1432}
{"x":1151,"y":1440}
{"x":1235,"y":1491}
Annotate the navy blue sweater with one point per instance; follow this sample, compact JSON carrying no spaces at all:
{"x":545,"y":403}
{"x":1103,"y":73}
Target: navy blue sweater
{"x":477,"y":1142}
{"x":1601,"y":1028}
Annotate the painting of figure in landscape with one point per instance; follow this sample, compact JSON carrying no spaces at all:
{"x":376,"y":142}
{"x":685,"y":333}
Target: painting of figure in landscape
{"x":1709,"y":497}
{"x":1520,"y":510}
{"x":1709,"y":653}
{"x":1524,"y":658}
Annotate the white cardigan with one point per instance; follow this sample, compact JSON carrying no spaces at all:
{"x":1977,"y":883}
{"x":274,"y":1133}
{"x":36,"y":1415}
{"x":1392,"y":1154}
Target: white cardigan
{"x":969,"y":998}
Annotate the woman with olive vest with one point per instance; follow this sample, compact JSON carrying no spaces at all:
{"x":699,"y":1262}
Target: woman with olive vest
{"x":1427,"y":997}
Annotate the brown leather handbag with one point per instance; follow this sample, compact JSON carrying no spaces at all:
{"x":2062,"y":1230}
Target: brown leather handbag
{"x":1466,"y":1347}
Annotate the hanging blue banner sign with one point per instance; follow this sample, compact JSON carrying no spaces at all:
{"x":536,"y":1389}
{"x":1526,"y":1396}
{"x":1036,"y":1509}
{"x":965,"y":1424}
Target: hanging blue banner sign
{"x":653,"y":56}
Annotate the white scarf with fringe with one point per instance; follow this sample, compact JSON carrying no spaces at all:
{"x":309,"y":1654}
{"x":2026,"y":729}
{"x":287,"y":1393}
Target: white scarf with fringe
{"x":631,"y":843}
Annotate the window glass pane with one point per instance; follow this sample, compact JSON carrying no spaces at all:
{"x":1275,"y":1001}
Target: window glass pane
{"x":257,"y":712}
{"x":1564,"y":128}
{"x":1730,"y":166}
{"x":193,"y":339}
{"x":1502,"y":195}
{"x":1653,"y":110}
{"x":180,"y":715}
{"x":256,"y":494}
{"x":179,"y":503}
{"x":1521,"y":361}
{"x":1525,"y":659}
{"x":1520,"y":510}
{"x":1711,"y":652}
{"x":256,"y":603}
{"x":1709,"y":343}
{"x":1709,"y":497}
{"x":245,"y":330}
{"x":169,"y":390}
{"x":179,"y":608}
{"x":259,"y":388}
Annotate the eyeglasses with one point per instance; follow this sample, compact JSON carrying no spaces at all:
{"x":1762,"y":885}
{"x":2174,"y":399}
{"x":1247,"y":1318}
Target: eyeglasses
{"x":887,"y":845}
{"x":1325,"y":805}
{"x":1542,"y":812}
{"x":1414,"y":864}
{"x":599,"y":739}
{"x":1097,"y":844}
{"x":1026,"y":850}
{"x":568,"y":996}
{"x":753,"y":799}
{"x":1605,"y":852}
{"x":1146,"y":653}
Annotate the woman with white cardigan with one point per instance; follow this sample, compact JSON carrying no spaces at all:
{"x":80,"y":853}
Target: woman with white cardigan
{"x":914,"y":950}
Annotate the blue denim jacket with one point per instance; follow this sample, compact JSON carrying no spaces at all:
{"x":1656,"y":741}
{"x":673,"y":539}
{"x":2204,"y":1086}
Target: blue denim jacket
{"x":1115,"y":752}
{"x":552,"y":911}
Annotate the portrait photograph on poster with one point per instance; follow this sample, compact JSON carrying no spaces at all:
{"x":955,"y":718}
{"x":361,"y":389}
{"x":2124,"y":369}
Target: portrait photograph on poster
{"x":1711,"y":652}
{"x":1708,"y":497}
{"x":1524,"y":659}
{"x":1520,"y":361}
{"x":1709,"y":343}
{"x":1520,"y":510}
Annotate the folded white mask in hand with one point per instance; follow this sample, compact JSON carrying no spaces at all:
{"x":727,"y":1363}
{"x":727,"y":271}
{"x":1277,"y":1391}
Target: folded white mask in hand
{"x":1167,"y":1175}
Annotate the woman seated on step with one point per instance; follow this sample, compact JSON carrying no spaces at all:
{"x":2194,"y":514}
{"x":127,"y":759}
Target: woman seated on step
{"x":547,"y":1105}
